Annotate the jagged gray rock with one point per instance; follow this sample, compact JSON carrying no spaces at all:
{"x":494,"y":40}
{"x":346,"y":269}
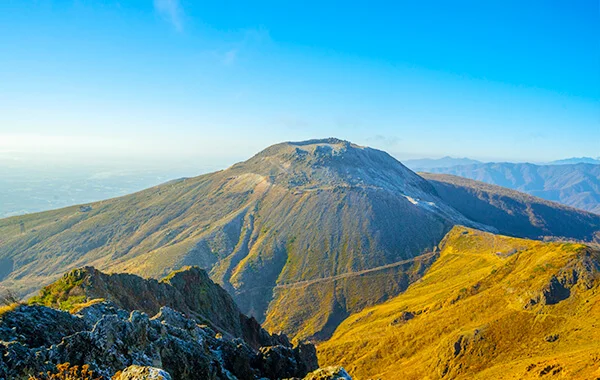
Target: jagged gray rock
{"x":329,"y":373}
{"x":108,"y":339}
{"x":136,"y":372}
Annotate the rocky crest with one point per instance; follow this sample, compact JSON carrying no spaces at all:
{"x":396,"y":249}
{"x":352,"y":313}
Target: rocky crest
{"x":182,"y":327}
{"x":109,"y":339}
{"x":189,"y":291}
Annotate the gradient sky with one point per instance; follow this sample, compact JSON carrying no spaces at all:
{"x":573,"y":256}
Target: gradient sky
{"x":217,"y":81}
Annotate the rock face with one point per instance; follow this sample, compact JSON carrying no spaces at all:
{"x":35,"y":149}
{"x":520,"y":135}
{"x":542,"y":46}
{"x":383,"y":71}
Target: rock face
{"x":109,"y":339}
{"x":189,"y":291}
{"x":329,"y":373}
{"x":196,"y":331}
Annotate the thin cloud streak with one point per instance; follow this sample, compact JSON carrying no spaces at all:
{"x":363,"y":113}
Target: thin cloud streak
{"x":172,"y":11}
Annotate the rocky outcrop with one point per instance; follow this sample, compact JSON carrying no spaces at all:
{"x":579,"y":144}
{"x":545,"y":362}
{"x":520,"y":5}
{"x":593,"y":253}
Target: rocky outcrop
{"x":111,"y":340}
{"x":581,"y":273}
{"x":189,"y":291}
{"x":329,"y":373}
{"x":136,"y":372}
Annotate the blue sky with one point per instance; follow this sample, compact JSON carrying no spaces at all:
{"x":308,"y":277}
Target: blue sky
{"x":218,"y":81}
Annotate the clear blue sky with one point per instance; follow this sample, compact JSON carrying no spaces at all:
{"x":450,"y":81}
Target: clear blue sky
{"x":219,"y":80}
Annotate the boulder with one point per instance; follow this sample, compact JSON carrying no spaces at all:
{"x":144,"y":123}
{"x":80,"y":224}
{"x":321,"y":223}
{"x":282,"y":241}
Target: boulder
{"x":329,"y":373}
{"x":136,"y":372}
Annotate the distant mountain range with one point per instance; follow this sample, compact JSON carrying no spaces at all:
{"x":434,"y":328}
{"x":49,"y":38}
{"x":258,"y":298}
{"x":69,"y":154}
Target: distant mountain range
{"x":301,"y":235}
{"x":575,"y":185}
{"x":424,"y":164}
{"x":576,"y":160}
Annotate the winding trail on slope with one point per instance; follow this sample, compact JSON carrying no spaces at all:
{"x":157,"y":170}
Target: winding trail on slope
{"x":353,"y":274}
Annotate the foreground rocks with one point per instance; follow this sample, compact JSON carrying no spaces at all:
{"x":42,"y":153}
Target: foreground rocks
{"x":329,"y":373}
{"x":188,"y":290}
{"x":36,"y":338}
{"x":136,"y":372}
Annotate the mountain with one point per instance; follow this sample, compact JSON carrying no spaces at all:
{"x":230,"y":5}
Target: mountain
{"x":425,"y":164}
{"x":513,"y":212}
{"x":576,"y":160}
{"x":301,"y":235}
{"x":491,"y":307}
{"x":116,"y":337}
{"x":575,"y":185}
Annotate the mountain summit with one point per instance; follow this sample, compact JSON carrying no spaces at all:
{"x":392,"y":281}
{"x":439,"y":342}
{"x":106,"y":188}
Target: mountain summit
{"x":332,"y":162}
{"x":300,"y":235}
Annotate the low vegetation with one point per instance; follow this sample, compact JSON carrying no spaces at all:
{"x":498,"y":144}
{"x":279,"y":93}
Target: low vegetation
{"x":65,"y":294}
{"x":515,"y":213}
{"x":65,"y":371}
{"x":490,"y":307}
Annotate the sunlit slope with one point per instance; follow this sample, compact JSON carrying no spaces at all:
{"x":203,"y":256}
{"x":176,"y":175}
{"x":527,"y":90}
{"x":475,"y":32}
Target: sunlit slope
{"x":491,"y":307}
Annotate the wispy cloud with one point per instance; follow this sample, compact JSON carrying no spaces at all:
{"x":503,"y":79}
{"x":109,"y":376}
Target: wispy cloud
{"x":244,"y":43}
{"x":172,"y":11}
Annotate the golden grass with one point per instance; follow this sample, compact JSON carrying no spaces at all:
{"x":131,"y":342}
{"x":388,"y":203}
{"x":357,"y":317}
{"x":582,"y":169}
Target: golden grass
{"x":471,"y":317}
{"x":6,"y":308}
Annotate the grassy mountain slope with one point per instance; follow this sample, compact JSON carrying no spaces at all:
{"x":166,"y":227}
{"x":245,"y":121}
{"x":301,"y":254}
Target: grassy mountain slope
{"x":575,"y":185}
{"x":490,"y":307}
{"x":513,"y":212}
{"x":295,"y":212}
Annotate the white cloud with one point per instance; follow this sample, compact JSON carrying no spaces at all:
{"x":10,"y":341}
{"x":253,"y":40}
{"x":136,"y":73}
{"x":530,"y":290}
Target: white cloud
{"x":172,"y":11}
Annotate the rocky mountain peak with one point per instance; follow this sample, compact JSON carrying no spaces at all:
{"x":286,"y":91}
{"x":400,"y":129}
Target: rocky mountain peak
{"x":330,"y":163}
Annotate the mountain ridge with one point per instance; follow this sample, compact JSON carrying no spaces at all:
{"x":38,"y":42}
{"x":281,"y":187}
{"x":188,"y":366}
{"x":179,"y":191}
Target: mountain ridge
{"x":121,"y":323}
{"x":188,"y":290}
{"x":576,"y":185}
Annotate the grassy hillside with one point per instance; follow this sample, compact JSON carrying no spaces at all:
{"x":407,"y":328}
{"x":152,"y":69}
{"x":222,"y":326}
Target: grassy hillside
{"x":490,"y":307}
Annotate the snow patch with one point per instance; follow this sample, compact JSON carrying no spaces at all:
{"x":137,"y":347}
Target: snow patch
{"x":420,"y":203}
